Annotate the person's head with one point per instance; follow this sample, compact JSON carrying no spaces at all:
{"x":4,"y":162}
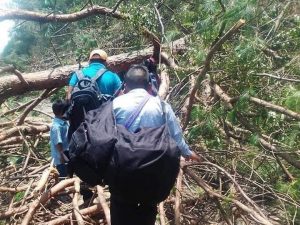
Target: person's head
{"x":98,"y":55}
{"x":137,"y":77}
{"x":59,"y":107}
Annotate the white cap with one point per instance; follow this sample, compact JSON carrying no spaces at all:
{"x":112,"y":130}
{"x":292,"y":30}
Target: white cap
{"x":102,"y":54}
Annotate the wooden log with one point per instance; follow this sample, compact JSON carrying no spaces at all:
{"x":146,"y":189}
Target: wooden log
{"x":92,"y":210}
{"x":45,"y":197}
{"x":11,"y":85}
{"x":27,"y":130}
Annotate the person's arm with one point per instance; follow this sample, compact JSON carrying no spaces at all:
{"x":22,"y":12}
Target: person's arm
{"x":73,"y":81}
{"x":176,"y":134}
{"x":60,"y":150}
{"x":69,"y":92}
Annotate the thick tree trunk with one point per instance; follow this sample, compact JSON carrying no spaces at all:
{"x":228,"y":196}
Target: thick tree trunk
{"x":11,"y":85}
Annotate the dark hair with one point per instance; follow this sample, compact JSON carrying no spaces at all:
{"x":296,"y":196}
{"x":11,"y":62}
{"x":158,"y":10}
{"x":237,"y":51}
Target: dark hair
{"x":59,"y":107}
{"x":98,"y":61}
{"x":137,"y":77}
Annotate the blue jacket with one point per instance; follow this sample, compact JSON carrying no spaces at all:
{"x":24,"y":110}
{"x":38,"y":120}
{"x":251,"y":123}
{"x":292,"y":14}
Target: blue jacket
{"x":108,"y":83}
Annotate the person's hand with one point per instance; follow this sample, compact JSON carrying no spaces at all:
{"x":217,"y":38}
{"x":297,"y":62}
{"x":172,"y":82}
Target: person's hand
{"x":193,"y":157}
{"x":62,"y":159}
{"x":68,"y":97}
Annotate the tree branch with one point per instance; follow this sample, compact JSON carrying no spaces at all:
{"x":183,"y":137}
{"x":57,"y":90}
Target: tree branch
{"x":17,"y":108}
{"x":103,"y":203}
{"x":45,"y":197}
{"x":94,"y":10}
{"x":178,"y":198}
{"x":277,"y":77}
{"x":274,"y":150}
{"x":164,"y":85}
{"x":27,"y":130}
{"x":206,"y":67}
{"x":92,"y":210}
{"x":28,"y":109}
{"x":76,"y":211}
{"x":116,"y":6}
{"x":249,"y":210}
{"x":275,"y":108}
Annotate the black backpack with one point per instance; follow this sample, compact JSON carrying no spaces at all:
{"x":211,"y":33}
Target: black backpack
{"x":144,"y":165}
{"x":85,"y":96}
{"x":138,"y":167}
{"x":92,"y":144}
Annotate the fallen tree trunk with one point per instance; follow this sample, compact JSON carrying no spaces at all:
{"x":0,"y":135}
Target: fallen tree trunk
{"x":27,"y":130}
{"x":94,"y":10}
{"x":11,"y":85}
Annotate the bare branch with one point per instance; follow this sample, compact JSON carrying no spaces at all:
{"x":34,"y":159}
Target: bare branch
{"x":162,"y":214}
{"x":103,"y":203}
{"x":94,"y":10}
{"x":31,"y":106}
{"x":228,"y":101}
{"x":92,"y":210}
{"x":275,"y":108}
{"x":116,"y":6}
{"x":164,"y":85}
{"x":27,"y":130}
{"x":17,"y":109}
{"x":76,"y":211}
{"x":277,"y":77}
{"x":249,"y":210}
{"x":44,"y":179}
{"x":178,"y":198}
{"x":45,"y":197}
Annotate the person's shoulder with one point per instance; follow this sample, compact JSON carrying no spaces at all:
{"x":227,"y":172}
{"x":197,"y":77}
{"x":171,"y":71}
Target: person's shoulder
{"x":57,"y":124}
{"x":165,"y":105}
{"x":111,"y":73}
{"x":54,"y":128}
{"x":85,"y":69}
{"x":120,"y":98}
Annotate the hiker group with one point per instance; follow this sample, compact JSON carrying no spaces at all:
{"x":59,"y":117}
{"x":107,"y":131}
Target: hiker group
{"x":120,"y":133}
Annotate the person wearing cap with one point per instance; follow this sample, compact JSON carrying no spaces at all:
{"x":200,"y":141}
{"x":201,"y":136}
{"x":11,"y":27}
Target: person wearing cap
{"x":109,"y":82}
{"x":136,"y":82}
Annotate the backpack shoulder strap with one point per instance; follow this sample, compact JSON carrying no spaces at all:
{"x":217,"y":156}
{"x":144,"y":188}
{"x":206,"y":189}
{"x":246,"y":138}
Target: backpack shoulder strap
{"x":99,"y":74}
{"x":79,"y":74}
{"x":163,"y":106}
{"x":131,"y":118}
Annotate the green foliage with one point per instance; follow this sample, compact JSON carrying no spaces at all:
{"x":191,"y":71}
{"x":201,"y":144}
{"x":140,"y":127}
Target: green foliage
{"x":293,"y":101}
{"x":254,"y":139}
{"x":61,"y":94}
{"x":19,"y":196}
{"x":15,"y":159}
